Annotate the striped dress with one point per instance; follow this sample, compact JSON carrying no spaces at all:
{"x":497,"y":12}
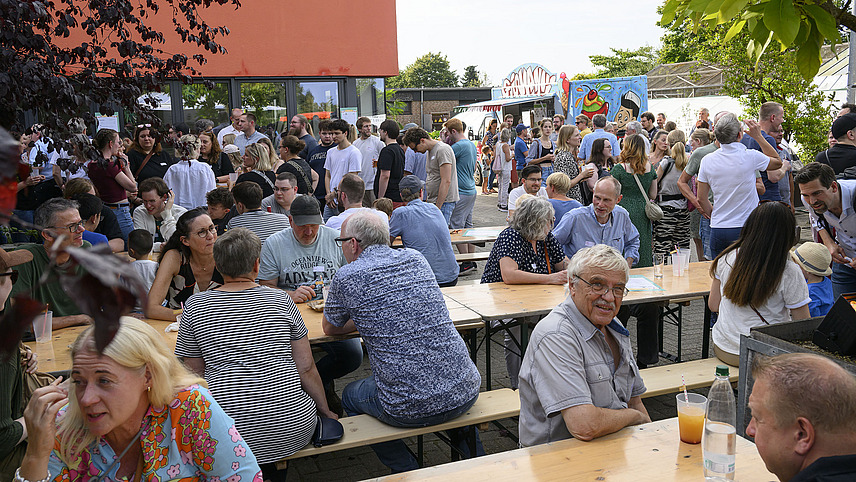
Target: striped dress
{"x":245,"y":339}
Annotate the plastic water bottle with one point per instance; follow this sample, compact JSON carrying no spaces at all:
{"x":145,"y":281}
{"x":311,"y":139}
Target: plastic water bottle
{"x":719,"y":442}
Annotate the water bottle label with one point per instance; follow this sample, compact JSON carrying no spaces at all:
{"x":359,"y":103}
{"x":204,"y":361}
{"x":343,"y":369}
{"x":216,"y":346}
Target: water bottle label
{"x":719,"y":463}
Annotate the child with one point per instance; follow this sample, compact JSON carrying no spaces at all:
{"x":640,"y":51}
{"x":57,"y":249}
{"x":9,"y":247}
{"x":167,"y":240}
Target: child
{"x":383,"y":205}
{"x":140,"y":248}
{"x":220,"y":203}
{"x":814,"y":261}
{"x":487,"y":172}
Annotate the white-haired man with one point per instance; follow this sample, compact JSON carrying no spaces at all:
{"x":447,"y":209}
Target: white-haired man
{"x":578,"y":376}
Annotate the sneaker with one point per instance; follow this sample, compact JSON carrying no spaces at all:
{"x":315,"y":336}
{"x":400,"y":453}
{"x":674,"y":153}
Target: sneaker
{"x":503,"y":209}
{"x":467,"y":266}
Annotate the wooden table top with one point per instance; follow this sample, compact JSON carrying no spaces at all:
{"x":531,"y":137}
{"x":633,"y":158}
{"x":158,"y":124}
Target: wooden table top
{"x":459,"y":238}
{"x":650,"y":452}
{"x":56,"y":356}
{"x":499,"y":300}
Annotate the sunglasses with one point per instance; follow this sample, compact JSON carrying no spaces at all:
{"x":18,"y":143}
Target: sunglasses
{"x":13,"y":275}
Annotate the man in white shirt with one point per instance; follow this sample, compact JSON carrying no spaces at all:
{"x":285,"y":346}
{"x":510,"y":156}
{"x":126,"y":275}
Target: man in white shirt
{"x":351,"y":192}
{"x":231,"y":128}
{"x":249,"y":134}
{"x":370,"y":147}
{"x":343,"y":159}
{"x":531,"y":179}
{"x":158,"y":214}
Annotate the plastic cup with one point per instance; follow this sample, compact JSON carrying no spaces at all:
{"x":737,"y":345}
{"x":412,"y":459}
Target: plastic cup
{"x":42,"y":327}
{"x":691,"y":417}
{"x":685,"y":259}
{"x":233,"y":178}
{"x":677,"y":269}
{"x":659,"y":264}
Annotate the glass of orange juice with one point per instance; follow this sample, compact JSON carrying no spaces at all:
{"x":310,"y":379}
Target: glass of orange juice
{"x":691,"y":410}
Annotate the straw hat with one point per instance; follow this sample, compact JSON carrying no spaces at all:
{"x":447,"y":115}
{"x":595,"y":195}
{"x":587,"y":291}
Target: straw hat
{"x":14,"y":258}
{"x":814,"y":258}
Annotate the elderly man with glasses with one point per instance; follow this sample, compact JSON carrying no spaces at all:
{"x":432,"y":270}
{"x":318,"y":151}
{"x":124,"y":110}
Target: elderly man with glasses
{"x":61,"y":228}
{"x":578,"y":376}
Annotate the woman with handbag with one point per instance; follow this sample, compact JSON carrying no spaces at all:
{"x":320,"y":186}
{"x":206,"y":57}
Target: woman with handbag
{"x":674,"y":229}
{"x":638,"y":188}
{"x":146,"y":155}
{"x":755,"y":282}
{"x":541,"y":150}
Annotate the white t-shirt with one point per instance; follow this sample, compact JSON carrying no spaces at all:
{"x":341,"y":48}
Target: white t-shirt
{"x":229,"y":129}
{"x":730,"y":172}
{"x":336,"y":221}
{"x":518,"y":191}
{"x":342,"y":161}
{"x":370,"y":149}
{"x":292,"y":264}
{"x":734,"y":321}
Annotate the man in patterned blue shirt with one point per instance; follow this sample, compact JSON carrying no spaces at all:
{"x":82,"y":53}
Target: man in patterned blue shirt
{"x":422,"y":373}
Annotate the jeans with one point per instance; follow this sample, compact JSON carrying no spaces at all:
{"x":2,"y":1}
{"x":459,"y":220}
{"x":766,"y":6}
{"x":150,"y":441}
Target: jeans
{"x":447,"y":211}
{"x":126,"y":224}
{"x":721,"y":238}
{"x":513,"y":358}
{"x":647,"y":323}
{"x":704,"y":233}
{"x":329,"y":213}
{"x":490,"y":178}
{"x":361,"y":397}
{"x":19,"y":234}
{"x":843,"y":280}
{"x":343,"y":357}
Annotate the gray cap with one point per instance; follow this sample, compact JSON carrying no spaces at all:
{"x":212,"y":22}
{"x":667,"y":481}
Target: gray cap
{"x":409,"y":125}
{"x":410,"y":185}
{"x":305,"y":210}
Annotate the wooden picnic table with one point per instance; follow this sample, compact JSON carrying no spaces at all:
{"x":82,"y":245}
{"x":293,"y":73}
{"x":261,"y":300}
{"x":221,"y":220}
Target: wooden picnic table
{"x":488,"y":235}
{"x":56,"y":356}
{"x":652,"y":451}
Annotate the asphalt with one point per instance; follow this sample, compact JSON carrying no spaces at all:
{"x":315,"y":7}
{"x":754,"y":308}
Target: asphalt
{"x":361,"y":463}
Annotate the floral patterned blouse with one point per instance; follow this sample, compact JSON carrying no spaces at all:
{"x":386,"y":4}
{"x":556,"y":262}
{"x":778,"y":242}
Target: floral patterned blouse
{"x":191,"y":439}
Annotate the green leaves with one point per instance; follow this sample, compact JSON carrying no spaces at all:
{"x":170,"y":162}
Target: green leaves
{"x":801,"y":25}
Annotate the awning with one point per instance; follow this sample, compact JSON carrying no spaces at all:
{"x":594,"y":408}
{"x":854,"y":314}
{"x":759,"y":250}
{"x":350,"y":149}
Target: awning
{"x":497,"y":104}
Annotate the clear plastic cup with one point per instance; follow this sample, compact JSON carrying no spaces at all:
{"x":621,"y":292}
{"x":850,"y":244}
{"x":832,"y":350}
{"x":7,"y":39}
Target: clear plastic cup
{"x":43,"y":327}
{"x":659,"y":265}
{"x":691,"y":417}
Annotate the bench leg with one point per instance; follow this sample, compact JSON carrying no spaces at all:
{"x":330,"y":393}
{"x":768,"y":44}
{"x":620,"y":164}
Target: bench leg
{"x":487,"y":354}
{"x":420,"y":451}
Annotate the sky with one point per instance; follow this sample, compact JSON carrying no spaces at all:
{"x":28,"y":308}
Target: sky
{"x":499,"y":35}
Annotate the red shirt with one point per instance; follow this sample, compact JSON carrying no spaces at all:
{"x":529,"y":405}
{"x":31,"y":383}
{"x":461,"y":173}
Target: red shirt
{"x":104,"y":179}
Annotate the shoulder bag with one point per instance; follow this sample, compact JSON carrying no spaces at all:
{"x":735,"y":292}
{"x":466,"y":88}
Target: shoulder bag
{"x":652,"y":210}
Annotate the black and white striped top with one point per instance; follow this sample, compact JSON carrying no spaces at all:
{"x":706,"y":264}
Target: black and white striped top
{"x":263,"y":223}
{"x":245,"y":339}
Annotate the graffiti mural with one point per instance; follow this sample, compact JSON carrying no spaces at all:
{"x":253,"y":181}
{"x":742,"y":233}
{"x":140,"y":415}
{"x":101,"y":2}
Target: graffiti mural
{"x":532,"y":80}
{"x":621,"y":99}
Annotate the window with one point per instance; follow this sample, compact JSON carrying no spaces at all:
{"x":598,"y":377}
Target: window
{"x":406,"y":107}
{"x":438,"y":119}
{"x":201,"y":103}
{"x":316,"y":101}
{"x":160,"y":103}
{"x":370,"y":96}
{"x":265,"y":100}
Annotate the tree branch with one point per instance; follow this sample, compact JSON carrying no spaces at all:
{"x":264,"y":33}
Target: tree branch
{"x":842,"y":15}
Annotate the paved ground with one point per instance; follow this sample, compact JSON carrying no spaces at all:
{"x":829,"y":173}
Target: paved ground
{"x":358,"y":464}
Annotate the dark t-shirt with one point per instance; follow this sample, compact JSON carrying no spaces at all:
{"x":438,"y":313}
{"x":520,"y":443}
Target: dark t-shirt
{"x":316,"y":161}
{"x":391,"y":158}
{"x":839,"y":157}
{"x":156,"y":167}
{"x":302,"y":171}
{"x":223,"y":166}
{"x":511,"y":244}
{"x":310,"y":144}
{"x":109,"y":225}
{"x":267,"y":187}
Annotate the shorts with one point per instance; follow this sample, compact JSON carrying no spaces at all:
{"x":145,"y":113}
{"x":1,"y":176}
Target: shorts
{"x":462,"y":215}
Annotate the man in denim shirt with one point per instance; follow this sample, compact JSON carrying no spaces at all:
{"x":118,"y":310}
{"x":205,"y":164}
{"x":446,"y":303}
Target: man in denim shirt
{"x":578,"y":376}
{"x":603,"y":222}
{"x":422,"y":373}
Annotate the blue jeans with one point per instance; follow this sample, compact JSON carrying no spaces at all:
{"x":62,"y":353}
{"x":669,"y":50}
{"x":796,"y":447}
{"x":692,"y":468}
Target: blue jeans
{"x":490,"y":179}
{"x":721,"y":238}
{"x":447,"y":211}
{"x":361,"y":397}
{"x":704,"y":234}
{"x":843,"y":280}
{"x":329,"y":213}
{"x":343,"y":357}
{"x":126,"y":224}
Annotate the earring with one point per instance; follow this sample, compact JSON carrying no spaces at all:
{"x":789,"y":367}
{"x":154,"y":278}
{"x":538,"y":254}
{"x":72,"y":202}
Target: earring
{"x":148,"y":389}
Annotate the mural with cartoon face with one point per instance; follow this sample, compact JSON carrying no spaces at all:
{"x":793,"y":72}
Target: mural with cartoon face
{"x":628,"y":112}
{"x":620,"y":99}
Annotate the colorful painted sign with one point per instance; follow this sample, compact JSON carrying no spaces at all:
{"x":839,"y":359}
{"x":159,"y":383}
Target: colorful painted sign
{"x":621,"y":99}
{"x":532,"y":80}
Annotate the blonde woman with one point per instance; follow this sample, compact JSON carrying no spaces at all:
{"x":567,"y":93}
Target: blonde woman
{"x":674,"y":229}
{"x":275,"y":160}
{"x":190,"y":179}
{"x":567,"y":148}
{"x":541,"y":150}
{"x":659,"y":148}
{"x":133,"y":412}
{"x":258,"y":168}
{"x":633,"y":163}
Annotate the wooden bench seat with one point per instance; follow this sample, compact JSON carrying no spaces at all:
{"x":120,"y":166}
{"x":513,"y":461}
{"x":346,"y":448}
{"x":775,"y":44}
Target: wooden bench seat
{"x":362,"y":430}
{"x":476,"y":256}
{"x":666,"y":379}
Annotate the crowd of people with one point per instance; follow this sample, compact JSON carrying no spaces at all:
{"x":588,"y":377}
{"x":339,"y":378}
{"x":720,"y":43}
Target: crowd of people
{"x":300,"y":219}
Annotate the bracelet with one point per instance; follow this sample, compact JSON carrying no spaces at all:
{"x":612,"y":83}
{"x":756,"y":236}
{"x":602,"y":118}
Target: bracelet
{"x":18,"y":477}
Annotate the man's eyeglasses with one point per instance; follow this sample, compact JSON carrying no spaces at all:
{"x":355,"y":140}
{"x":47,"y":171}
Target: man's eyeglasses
{"x":339,"y":241}
{"x":283,"y":189}
{"x":533,"y":179}
{"x":203,"y":233}
{"x":71,"y":227}
{"x":601,"y":289}
{"x":13,"y":275}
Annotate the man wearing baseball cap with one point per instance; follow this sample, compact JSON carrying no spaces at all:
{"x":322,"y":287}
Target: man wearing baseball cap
{"x":292,"y":259}
{"x":843,"y":154}
{"x":814,"y":260}
{"x":422,"y":227}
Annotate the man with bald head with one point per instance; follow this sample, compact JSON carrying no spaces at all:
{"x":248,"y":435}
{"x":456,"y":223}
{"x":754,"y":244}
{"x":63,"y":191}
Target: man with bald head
{"x":804,"y":417}
{"x":231,"y":128}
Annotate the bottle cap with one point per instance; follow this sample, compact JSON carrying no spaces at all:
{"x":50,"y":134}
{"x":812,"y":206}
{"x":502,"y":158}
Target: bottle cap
{"x":721,"y":370}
